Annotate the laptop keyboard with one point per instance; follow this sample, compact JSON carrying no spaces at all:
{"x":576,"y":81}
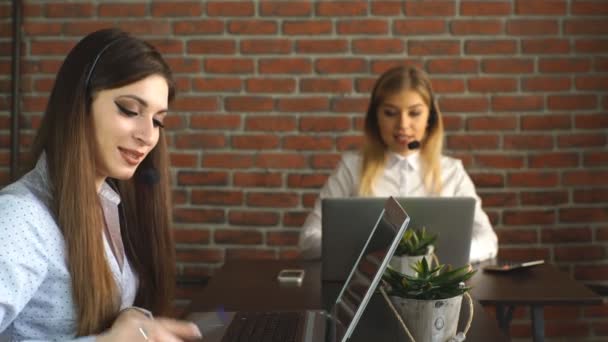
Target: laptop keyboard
{"x":274,"y":326}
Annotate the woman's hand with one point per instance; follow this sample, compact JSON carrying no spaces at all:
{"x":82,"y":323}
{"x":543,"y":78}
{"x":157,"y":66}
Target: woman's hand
{"x":134,"y":326}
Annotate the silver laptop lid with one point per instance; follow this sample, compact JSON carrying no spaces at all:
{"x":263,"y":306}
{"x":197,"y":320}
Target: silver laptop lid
{"x":347,"y":222}
{"x":369,"y":267}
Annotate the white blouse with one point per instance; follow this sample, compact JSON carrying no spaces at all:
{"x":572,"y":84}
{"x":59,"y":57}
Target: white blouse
{"x":402,"y":177}
{"x":36,"y":301}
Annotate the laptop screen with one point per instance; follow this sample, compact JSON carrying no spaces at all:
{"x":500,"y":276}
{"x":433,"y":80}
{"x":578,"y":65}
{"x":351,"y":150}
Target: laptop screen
{"x":368,"y":269}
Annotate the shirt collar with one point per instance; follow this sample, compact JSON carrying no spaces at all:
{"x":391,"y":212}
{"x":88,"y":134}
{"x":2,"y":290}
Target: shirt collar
{"x":109,"y":193}
{"x":413,"y":160}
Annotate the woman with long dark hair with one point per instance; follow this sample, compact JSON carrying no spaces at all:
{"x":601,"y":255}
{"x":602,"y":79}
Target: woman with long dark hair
{"x":85,"y":241}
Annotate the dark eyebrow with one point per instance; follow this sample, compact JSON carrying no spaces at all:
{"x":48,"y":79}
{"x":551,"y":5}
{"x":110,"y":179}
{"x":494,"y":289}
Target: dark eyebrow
{"x":143,"y":102}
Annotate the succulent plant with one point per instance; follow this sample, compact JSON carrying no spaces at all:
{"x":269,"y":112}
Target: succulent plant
{"x":440,"y":282}
{"x":415,"y":242}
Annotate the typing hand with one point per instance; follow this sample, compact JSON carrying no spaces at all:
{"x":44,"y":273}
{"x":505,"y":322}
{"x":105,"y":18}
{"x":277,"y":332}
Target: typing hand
{"x":134,"y":326}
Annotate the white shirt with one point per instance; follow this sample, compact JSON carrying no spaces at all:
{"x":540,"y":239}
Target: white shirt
{"x":402,"y":177}
{"x":36,"y":301}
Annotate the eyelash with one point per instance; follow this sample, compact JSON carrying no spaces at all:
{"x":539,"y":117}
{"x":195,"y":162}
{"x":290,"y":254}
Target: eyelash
{"x":389,"y":112}
{"x":130,"y":113}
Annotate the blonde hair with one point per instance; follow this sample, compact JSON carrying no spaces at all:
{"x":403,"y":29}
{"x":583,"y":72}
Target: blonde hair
{"x":374,"y":150}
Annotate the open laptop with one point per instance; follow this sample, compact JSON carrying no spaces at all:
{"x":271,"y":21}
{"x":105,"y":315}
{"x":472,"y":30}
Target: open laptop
{"x":384,"y":234}
{"x":346,"y":223}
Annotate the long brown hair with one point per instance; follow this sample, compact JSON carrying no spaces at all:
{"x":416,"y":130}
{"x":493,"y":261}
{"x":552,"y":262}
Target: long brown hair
{"x":374,"y":150}
{"x":106,"y":59}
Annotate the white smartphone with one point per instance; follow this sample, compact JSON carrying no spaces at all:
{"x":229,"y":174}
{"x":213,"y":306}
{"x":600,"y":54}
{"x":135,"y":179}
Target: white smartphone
{"x":291,"y":276}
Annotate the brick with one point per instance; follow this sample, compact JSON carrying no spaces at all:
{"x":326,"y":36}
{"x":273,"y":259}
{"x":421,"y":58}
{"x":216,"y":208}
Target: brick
{"x":362,"y":26}
{"x":591,"y":82}
{"x":585,"y":177}
{"x":433,"y":47}
{"x":517,"y":236}
{"x":271,"y":123}
{"x":177,"y":9}
{"x":253,"y":218}
{"x":257,"y":179}
{"x":564,"y":65}
{"x":183,"y":215}
{"x":286,"y":9}
{"x":183,"y":159}
{"x":145,"y":27}
{"x":249,"y":254}
{"x":464,"y":104}
{"x":324,"y":85}
{"x":193,"y":236}
{"x":282,"y":238}
{"x":349,"y":143}
{"x":211,"y":46}
{"x":340,"y":65}
{"x":523,"y":254}
{"x":252,"y":27}
{"x":237,"y":237}
{"x":567,"y":329}
{"x":273,"y":200}
{"x":485,"y":8}
{"x":429,"y":9}
{"x":69,"y":10}
{"x":546,"y":122}
{"x":307,"y":143}
{"x":351,"y":105}
{"x":303,"y":104}
{"x":215,"y":121}
{"x":528,"y":217}
{"x":127,"y":10}
{"x":229,"y":65}
{"x":581,"y":140}
{"x":195,"y":103}
{"x":532,"y":27}
{"x":285,"y":66}
{"x":248,"y":104}
{"x":492,"y":84}
{"x":313,"y":181}
{"x":36,"y":29}
{"x":341,"y":9}
{"x":591,"y":46}
{"x":583,"y":215}
{"x":216,"y":197}
{"x":76,"y":28}
{"x":595,"y":159}
{"x":270,"y":85}
{"x":565,"y":235}
{"x":534,"y":179}
{"x":324,"y":124}
{"x":545,"y":46}
{"x":419,"y":26}
{"x":602,"y":234}
{"x":591,"y":272}
{"x":202,"y":178}
{"x":472,"y":142}
{"x":168,"y":46}
{"x":220,"y":84}
{"x":265,"y":46}
{"x":51,"y":47}
{"x":449,"y":66}
{"x":199,"y":26}
{"x":307,"y":27}
{"x":553,"y":160}
{"x":540,"y":7}
{"x":508,"y":66}
{"x":544,"y":83}
{"x":230,"y":9}
{"x":499,"y":161}
{"x":591,"y":121}
{"x":378,"y":67}
{"x":448,"y":85}
{"x":198,"y":255}
{"x":227,"y":160}
{"x":281,"y":161}
{"x":324,"y":46}
{"x":184,"y":65}
{"x":325,"y":161}
{"x":579,"y":253}
{"x":254,"y":142}
{"x":585,"y":26}
{"x":294,"y":219}
{"x":490,"y":47}
{"x":476,"y":27}
{"x":377,"y":46}
{"x":593,"y":8}
{"x":531,"y":142}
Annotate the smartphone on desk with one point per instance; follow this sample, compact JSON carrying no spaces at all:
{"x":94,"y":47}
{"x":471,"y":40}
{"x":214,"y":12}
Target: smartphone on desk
{"x":291,"y":276}
{"x":507,"y":266}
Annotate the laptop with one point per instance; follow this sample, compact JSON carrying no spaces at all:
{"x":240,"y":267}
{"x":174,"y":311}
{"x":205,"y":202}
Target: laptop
{"x":346,"y":223}
{"x":384,"y":234}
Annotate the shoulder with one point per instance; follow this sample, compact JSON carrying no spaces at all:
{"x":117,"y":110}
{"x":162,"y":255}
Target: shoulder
{"x":351,"y":159}
{"x":452,"y":167}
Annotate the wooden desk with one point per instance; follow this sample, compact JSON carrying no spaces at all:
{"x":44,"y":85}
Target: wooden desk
{"x":252,"y":285}
{"x":535,"y":287}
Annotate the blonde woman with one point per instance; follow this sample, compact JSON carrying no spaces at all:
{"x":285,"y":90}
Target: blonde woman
{"x":402,"y":157}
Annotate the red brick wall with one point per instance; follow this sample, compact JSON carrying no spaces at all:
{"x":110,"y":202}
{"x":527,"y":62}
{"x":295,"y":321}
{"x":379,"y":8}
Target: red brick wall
{"x":271,"y":92}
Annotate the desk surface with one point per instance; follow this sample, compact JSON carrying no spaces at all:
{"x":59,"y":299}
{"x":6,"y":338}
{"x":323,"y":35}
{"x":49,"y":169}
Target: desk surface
{"x":252,"y":285}
{"x":538,"y":285}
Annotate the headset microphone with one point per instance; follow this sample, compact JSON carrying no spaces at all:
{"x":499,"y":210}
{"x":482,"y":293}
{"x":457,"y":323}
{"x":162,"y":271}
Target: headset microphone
{"x":413,"y":145}
{"x":149,"y":176}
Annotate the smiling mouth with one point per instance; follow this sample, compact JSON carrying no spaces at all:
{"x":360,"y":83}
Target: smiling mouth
{"x":130,"y":156}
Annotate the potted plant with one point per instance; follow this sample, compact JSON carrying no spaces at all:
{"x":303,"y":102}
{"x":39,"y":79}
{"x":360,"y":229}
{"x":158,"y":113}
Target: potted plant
{"x":428,"y":304}
{"x":415,"y":245}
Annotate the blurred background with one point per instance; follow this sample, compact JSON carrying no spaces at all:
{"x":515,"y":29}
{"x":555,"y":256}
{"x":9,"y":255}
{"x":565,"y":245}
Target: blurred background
{"x":270,"y":93}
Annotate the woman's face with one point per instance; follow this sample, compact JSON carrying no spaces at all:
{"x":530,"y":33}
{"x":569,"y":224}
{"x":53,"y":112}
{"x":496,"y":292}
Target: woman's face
{"x":402,"y":118}
{"x":127,"y":123}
